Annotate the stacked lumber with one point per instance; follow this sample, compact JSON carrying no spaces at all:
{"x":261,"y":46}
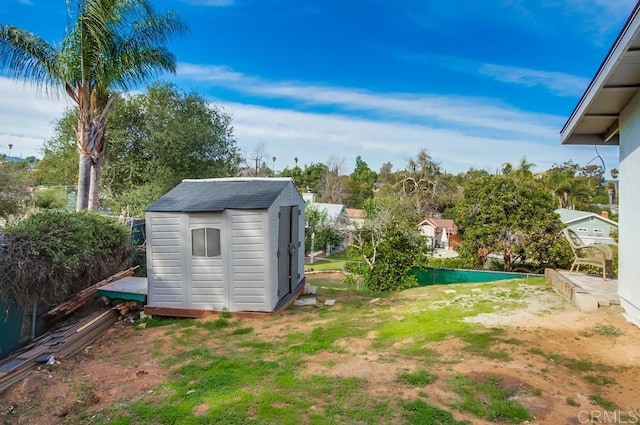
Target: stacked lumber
{"x":81,"y":298}
{"x":62,"y":342}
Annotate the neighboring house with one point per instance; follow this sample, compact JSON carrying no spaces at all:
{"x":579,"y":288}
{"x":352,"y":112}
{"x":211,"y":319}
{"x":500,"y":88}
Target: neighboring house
{"x":591,"y":227}
{"x":439,"y":231}
{"x":609,"y":114}
{"x":234,"y":244}
{"x":336,"y":213}
{"x":356,"y":216}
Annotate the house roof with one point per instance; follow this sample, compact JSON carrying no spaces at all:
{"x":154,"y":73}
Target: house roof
{"x":594,"y":121}
{"x":570,"y":216}
{"x":356,"y":213}
{"x":440,"y":223}
{"x":216,"y":195}
{"x":333,"y":210}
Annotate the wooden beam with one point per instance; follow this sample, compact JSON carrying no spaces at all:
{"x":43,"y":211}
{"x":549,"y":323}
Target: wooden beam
{"x":591,"y":139}
{"x":621,"y":87}
{"x":611,"y":131}
{"x":601,"y":116}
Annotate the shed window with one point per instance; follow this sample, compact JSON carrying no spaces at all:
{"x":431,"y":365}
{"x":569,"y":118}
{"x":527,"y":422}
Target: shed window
{"x":205,"y":242}
{"x":598,"y":231}
{"x":583,"y":229}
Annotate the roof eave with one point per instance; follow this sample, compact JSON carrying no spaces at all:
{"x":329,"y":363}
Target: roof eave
{"x":619,"y":48}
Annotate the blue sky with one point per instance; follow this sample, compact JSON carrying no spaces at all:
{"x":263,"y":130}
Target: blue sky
{"x":477,"y":84}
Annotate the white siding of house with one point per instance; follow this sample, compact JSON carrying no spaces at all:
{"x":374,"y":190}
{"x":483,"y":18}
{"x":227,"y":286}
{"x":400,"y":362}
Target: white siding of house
{"x":165,"y":260}
{"x":585,"y":228}
{"x":428,"y":230}
{"x":206,"y":283}
{"x":629,"y":223}
{"x":248,"y":260}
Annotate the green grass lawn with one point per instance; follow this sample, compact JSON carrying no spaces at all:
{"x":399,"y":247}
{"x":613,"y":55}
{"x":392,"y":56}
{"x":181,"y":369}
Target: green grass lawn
{"x":335,"y":262}
{"x":234,"y":371}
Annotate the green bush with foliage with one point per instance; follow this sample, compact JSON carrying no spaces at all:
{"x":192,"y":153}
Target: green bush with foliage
{"x":512,"y":216}
{"x":386,"y":247}
{"x":450,"y":263}
{"x":53,"y":198}
{"x":54,"y":254}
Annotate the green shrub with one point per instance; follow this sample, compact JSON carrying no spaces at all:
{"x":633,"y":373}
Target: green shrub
{"x":385,"y":248}
{"x":54,"y":254}
{"x":51,"y":199}
{"x":600,"y":200}
{"x":450,"y":263}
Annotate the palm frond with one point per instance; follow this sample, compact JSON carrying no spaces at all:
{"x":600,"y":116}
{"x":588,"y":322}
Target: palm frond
{"x":24,"y":55}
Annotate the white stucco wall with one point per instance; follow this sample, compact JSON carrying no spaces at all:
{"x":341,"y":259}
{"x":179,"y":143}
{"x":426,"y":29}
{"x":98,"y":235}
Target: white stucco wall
{"x":629,"y":204}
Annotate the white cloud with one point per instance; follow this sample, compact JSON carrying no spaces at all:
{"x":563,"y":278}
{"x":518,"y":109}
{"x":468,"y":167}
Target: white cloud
{"x":557,"y":82}
{"x":314,"y":137}
{"x":474,"y":113}
{"x":27,"y":121}
{"x":27,"y":117}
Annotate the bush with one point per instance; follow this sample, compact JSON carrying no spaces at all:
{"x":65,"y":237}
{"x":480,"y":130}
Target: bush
{"x":54,"y":254}
{"x":450,"y":263}
{"x":386,"y":246}
{"x":51,"y":199}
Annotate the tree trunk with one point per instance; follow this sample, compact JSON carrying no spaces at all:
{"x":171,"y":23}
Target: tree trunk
{"x":84,"y":168}
{"x":94,"y":185}
{"x":98,"y":145}
{"x":507,"y":262}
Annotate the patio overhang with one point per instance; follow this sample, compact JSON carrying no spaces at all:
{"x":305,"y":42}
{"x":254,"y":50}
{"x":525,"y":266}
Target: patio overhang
{"x":594,"y":121}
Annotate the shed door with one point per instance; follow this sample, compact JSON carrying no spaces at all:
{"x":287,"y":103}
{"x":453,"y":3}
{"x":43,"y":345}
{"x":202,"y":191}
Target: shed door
{"x":205,"y":277}
{"x":288,"y":233}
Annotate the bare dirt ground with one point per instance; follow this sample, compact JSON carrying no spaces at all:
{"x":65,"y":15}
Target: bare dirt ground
{"x":121,"y":365}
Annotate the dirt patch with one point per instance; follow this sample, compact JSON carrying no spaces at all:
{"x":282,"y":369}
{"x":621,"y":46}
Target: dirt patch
{"x":556,"y":362}
{"x":119,"y":366}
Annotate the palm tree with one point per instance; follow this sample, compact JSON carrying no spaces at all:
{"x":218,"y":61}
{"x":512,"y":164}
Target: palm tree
{"x":110,"y":45}
{"x":524,"y":168}
{"x":507,"y":168}
{"x":614,"y":175}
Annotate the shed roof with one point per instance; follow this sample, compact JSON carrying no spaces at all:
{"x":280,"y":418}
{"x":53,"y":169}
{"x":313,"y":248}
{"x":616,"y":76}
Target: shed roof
{"x":594,"y":121}
{"x":214,"y":195}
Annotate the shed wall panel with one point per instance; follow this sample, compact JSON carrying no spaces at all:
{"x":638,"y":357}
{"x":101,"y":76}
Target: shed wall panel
{"x":247,"y":286}
{"x":164,"y":259}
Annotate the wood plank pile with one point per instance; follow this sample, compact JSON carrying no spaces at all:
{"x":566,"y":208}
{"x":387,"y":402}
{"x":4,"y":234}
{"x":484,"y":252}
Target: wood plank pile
{"x":81,"y":298}
{"x":62,"y":342}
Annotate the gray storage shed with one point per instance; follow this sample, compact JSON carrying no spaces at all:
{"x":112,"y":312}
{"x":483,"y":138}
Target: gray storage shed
{"x":231,"y":243}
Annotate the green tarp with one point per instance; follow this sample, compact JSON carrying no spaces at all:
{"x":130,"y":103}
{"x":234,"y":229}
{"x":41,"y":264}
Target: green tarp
{"x":432,"y":276}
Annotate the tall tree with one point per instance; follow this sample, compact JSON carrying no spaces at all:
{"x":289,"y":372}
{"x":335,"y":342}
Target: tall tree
{"x":156,"y":139}
{"x":110,"y":45}
{"x":360,"y":184}
{"x":424,"y":187}
{"x":510,"y":216}
{"x":570,"y":186}
{"x":333,"y":182}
